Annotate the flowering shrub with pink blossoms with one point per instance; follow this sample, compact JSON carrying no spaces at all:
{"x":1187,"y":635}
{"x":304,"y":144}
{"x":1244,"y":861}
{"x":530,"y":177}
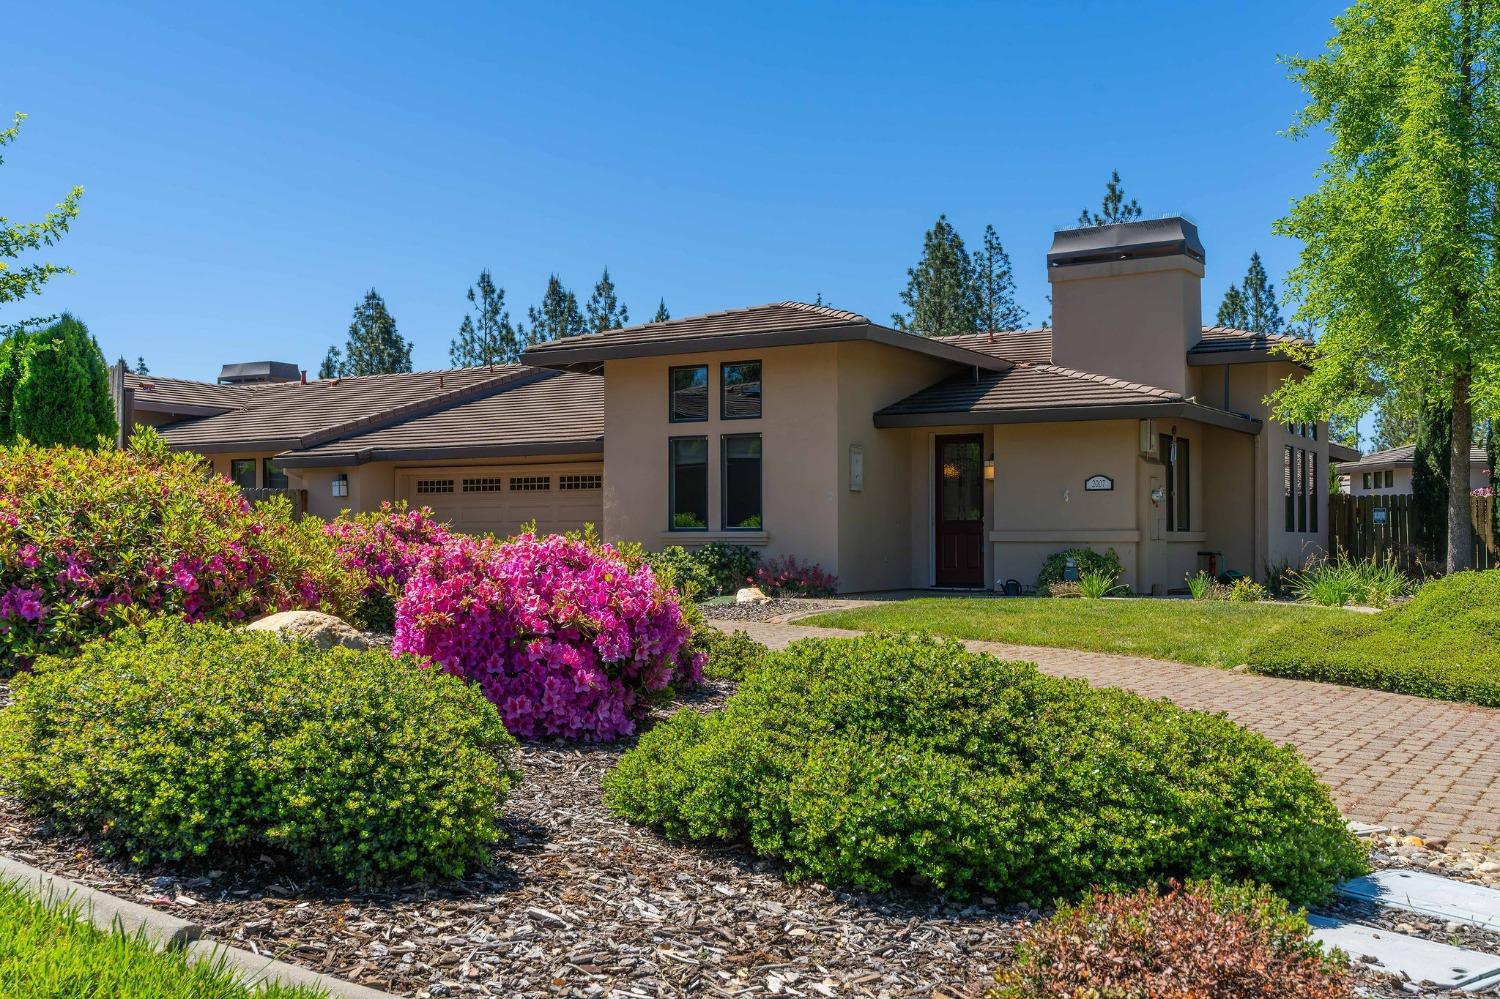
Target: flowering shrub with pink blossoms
{"x":90,"y":540}
{"x":383,"y":549}
{"x":567,"y":637}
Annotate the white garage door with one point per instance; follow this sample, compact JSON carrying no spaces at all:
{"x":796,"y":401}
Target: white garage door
{"x":498,"y":499}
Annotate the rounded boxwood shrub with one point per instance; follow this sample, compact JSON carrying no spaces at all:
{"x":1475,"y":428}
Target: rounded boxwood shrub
{"x":182,"y":741}
{"x":882,"y":759}
{"x":732,"y":654}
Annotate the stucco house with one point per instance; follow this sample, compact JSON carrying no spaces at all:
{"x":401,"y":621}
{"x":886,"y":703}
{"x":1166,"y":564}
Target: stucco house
{"x":1388,"y":472}
{"x":892,"y":460}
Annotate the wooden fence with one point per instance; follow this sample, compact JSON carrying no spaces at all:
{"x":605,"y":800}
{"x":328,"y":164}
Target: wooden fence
{"x":298,"y":498}
{"x":1375,"y":526}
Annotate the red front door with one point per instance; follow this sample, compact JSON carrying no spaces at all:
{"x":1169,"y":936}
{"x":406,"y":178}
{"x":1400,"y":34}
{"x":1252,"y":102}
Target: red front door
{"x":959,"y":510}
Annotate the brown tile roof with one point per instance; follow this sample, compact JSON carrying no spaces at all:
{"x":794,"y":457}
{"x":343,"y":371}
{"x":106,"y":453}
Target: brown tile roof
{"x":1405,"y":455}
{"x":1220,"y":343}
{"x":774,"y":325}
{"x":1042,"y":393}
{"x":182,"y":396}
{"x":552,"y":413}
{"x":1031,"y":346}
{"x":293,"y":416}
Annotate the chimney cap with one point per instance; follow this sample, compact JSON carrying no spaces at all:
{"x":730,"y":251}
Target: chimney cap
{"x":258,"y":372}
{"x":1151,"y":238}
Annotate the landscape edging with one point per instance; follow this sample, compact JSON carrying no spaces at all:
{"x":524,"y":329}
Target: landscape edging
{"x":165,"y":932}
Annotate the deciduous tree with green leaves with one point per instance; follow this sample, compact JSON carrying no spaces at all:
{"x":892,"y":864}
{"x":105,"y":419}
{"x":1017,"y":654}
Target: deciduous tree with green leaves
{"x":1115,"y":208}
{"x":374,"y":347}
{"x":940,"y":295}
{"x":604,"y":309}
{"x":487,"y":336}
{"x":17,"y":238}
{"x":1398,"y":265}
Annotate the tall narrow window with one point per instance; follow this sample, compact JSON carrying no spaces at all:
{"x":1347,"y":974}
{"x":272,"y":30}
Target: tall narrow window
{"x":1287,"y":483}
{"x":1312,"y":491}
{"x":741,"y":465}
{"x":271,"y":475}
{"x":689,"y":392}
{"x":242,"y":471}
{"x":1301,"y":490}
{"x":739,"y":390}
{"x":1168,"y":455}
{"x":688,"y":483}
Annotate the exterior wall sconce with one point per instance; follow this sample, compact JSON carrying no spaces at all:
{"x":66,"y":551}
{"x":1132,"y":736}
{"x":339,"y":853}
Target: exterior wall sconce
{"x":989,"y":469}
{"x":340,"y":485}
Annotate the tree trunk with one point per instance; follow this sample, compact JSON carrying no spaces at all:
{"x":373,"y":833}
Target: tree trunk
{"x":1460,"y":522}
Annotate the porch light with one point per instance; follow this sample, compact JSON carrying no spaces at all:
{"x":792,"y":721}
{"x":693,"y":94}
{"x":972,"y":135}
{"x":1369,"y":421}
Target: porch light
{"x":989,"y":469}
{"x":340,"y":485}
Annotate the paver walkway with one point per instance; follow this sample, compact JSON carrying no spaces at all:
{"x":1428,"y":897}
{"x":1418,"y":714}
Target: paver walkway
{"x":1391,"y":759}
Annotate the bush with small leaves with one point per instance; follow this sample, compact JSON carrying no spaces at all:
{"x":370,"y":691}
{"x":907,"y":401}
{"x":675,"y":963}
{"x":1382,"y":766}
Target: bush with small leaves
{"x":1245,"y":590}
{"x":884,"y":759}
{"x":1083,"y":559}
{"x":193,"y":741}
{"x":732,"y":655}
{"x":1205,"y":940}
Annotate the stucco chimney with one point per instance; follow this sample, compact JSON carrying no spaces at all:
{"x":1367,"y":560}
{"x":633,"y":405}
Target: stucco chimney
{"x":1127,"y":300}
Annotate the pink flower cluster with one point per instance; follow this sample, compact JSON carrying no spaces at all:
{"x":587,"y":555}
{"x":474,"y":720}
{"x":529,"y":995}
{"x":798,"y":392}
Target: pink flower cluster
{"x":786,"y":577}
{"x":564,"y":637}
{"x":383,"y":550}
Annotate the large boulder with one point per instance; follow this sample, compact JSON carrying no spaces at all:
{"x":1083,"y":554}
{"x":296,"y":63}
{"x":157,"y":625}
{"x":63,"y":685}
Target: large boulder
{"x":751,"y":595}
{"x":323,"y":630}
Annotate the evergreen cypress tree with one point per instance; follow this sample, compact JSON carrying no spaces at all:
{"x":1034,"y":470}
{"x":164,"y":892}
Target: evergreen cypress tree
{"x":557,"y":316}
{"x":62,"y":394}
{"x":662,"y":315}
{"x":333,"y":364}
{"x":940,"y":290}
{"x":486,"y":337}
{"x":1232,"y":311}
{"x":1429,"y":480}
{"x":374,"y":347}
{"x":995,"y":287}
{"x":13,"y":350}
{"x":1115,"y":207}
{"x":604,"y":310}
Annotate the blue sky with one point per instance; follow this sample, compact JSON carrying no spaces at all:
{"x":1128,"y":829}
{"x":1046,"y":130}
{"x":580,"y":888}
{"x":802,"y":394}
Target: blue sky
{"x":252,"y":169}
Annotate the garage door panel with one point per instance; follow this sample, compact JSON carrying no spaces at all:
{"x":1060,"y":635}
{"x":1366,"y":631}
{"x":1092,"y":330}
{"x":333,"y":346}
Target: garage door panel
{"x":498,"y":499}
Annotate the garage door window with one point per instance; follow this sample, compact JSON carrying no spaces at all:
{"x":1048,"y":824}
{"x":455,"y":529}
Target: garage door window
{"x":569,"y":483}
{"x":688,"y":484}
{"x":742,"y":483}
{"x":434,"y":485}
{"x":493,"y":485}
{"x":530,"y":483}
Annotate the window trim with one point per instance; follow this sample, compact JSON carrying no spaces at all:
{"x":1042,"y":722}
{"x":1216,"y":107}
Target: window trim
{"x":254,"y":472}
{"x":266,"y":472}
{"x":672,"y":416}
{"x":672,"y":485}
{"x":724,"y":524}
{"x":723,"y":409}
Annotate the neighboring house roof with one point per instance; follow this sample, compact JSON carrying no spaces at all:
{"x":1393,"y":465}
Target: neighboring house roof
{"x":296,"y":417}
{"x":1226,"y":345}
{"x":1400,"y":456}
{"x":1342,"y":452}
{"x":554,"y":413}
{"x":779,"y":324}
{"x":181,"y":397}
{"x":1045,"y":392}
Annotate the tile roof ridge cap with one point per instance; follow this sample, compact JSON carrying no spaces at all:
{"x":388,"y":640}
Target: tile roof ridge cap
{"x":822,"y":310}
{"x":1110,"y":380}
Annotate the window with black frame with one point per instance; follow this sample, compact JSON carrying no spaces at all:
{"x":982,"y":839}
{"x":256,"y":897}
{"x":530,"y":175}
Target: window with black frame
{"x":687,"y":485}
{"x":739,"y":390}
{"x":742,"y":482}
{"x":271,"y":475}
{"x":688,"y":388}
{"x":242,"y":472}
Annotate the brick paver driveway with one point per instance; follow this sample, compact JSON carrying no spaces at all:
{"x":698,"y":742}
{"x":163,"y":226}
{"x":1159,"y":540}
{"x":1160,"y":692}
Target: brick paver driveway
{"x":1391,"y":759}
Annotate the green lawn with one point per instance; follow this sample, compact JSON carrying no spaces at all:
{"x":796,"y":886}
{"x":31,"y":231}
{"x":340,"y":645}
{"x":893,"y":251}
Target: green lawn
{"x":46,"y":954}
{"x":1209,"y":633}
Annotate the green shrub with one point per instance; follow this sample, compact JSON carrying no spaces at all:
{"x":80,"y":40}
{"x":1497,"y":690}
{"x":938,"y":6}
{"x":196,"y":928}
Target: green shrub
{"x":881,"y":759}
{"x":1334,"y":582}
{"x":677,"y":567}
{"x":1086,"y":559}
{"x":731,"y":655}
{"x":1098,"y":585}
{"x":1444,"y":642}
{"x":1207,"y":939}
{"x":1247,"y":591}
{"x":729,"y":567}
{"x":183,"y":741}
{"x":1201,"y":585}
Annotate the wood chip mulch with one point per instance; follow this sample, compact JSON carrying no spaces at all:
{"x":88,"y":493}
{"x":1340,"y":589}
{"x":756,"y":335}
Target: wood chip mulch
{"x":577,"y":903}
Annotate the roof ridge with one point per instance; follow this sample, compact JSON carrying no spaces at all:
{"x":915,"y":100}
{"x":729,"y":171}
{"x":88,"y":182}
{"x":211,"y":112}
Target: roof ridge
{"x":1109,"y":380}
{"x":1242,"y":332}
{"x":822,"y":310}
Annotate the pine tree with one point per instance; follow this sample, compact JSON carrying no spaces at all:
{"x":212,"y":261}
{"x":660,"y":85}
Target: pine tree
{"x":557,"y":316}
{"x":1429,"y":479}
{"x":604,"y":310}
{"x":995,"y":287}
{"x":939,"y":294}
{"x":61,"y":396}
{"x":486,"y":337}
{"x":1116,"y":208}
{"x":140,"y":366}
{"x":374,"y":347}
{"x":1232,"y":311}
{"x":1260,"y":299}
{"x":333,"y":364}
{"x":662,"y":315}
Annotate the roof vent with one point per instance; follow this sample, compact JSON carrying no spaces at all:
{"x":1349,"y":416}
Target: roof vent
{"x":259,"y":373}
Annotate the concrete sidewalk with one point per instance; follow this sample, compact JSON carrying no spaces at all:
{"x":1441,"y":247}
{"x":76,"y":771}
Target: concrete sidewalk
{"x":1391,"y":759}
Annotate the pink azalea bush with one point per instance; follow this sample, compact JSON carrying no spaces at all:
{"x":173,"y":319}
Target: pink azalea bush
{"x":382,"y":549}
{"x":90,"y":540}
{"x":567,"y":637}
{"x":786,"y":577}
